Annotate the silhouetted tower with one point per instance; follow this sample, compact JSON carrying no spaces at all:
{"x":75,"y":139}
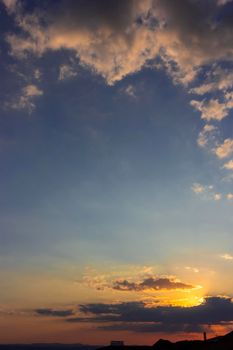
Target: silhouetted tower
{"x":204,"y":335}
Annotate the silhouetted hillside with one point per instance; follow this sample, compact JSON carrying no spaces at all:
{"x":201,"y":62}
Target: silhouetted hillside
{"x":218,"y":343}
{"x":44,"y":346}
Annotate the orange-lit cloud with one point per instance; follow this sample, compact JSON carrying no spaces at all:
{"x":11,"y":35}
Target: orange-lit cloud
{"x":225,"y":149}
{"x":119,"y":39}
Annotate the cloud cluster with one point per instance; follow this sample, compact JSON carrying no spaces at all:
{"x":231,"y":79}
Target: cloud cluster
{"x":151,"y":283}
{"x":136,"y":316}
{"x":145,"y":279}
{"x":211,"y":109}
{"x":191,"y":40}
{"x":209,"y":193}
{"x":117,"y":38}
{"x":218,"y":79}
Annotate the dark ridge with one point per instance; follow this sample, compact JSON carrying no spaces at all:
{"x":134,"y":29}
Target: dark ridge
{"x":217,"y":343}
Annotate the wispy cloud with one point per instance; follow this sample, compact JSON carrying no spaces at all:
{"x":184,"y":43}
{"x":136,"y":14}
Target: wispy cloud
{"x":130,"y":91}
{"x":25,"y":100}
{"x":226,"y":256}
{"x":198,"y":188}
{"x":206,"y":135}
{"x":193,"y":269}
{"x":54,"y":312}
{"x":66,"y":72}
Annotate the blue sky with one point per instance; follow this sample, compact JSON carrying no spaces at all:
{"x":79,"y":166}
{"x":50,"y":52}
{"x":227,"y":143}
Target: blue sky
{"x":115,"y":146}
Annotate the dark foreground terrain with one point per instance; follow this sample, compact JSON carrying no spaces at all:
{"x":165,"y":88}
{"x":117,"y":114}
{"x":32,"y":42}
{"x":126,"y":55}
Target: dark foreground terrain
{"x":44,"y":346}
{"x":219,"y":343}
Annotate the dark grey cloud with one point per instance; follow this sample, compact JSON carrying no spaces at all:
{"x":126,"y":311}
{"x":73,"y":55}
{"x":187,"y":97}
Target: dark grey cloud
{"x":115,"y":37}
{"x":52,"y":312}
{"x":93,"y":14}
{"x":136,"y":316}
{"x":151,"y":283}
{"x":112,"y":309}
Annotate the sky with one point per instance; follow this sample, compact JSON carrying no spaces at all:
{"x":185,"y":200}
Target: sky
{"x":116,"y":147}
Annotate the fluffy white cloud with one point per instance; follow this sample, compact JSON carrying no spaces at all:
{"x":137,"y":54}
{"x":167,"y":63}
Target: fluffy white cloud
{"x":229,"y":196}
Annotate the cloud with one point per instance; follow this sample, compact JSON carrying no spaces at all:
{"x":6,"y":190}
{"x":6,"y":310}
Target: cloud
{"x":151,"y":283}
{"x":191,"y":40}
{"x":229,"y":196}
{"x":25,"y":100}
{"x":207,"y":192}
{"x":54,"y":313}
{"x":135,"y":279}
{"x":130,"y":91}
{"x":211,"y":110}
{"x":193,"y":269}
{"x":66,"y":72}
{"x":227,"y":256}
{"x":37,"y":74}
{"x":217,"y":79}
{"x":206,"y":135}
{"x":223,"y":2}
{"x":228,"y":165}
{"x":217,"y":196}
{"x":11,"y":5}
{"x":225,"y":149}
{"x":198,"y":188}
{"x":118,"y":38}
{"x":135,"y":315}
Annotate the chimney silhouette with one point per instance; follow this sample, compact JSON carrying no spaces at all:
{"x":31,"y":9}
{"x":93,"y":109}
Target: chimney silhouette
{"x":204,"y":335}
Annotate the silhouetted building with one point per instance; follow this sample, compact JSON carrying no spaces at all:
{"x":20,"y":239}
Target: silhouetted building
{"x":117,"y":343}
